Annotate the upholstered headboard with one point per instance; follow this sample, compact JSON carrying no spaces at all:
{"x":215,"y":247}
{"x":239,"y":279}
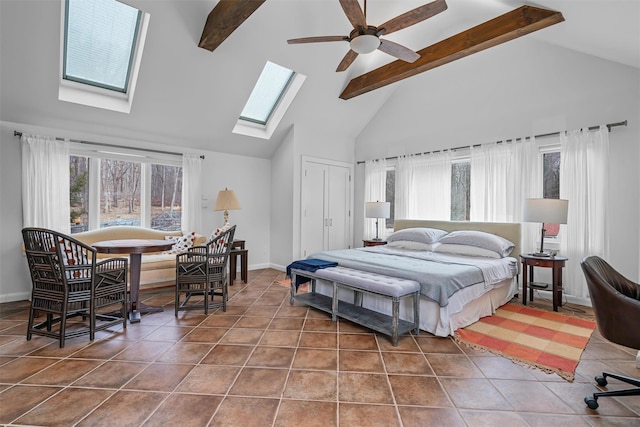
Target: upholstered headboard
{"x":508,"y":230}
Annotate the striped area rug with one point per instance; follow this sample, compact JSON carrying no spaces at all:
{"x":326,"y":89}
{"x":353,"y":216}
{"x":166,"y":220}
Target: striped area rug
{"x":547,"y":340}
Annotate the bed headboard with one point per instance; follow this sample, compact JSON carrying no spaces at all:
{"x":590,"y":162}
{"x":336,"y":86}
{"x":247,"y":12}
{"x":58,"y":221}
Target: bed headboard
{"x":508,"y":230}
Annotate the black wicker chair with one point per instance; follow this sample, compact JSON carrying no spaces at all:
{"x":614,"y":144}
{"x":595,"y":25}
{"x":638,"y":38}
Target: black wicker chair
{"x":616,"y":304}
{"x":68,"y":281}
{"x":202,"y":272}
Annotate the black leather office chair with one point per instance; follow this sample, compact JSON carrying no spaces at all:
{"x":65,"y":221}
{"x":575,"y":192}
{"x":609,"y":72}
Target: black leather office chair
{"x":616,"y":303}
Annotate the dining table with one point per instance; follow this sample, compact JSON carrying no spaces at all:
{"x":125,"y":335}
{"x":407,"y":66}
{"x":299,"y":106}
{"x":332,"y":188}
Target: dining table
{"x":134,"y":248}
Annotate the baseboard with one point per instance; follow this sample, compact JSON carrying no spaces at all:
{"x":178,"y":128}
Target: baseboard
{"x":277,"y":267}
{"x":16,"y":296}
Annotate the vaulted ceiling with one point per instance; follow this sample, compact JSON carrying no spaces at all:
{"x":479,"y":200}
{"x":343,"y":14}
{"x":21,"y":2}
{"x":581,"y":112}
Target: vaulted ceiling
{"x":190,"y":96}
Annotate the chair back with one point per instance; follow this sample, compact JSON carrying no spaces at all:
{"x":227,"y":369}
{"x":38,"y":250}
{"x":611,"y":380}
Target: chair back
{"x":57,"y":261}
{"x":615,"y":300}
{"x":219,"y":247}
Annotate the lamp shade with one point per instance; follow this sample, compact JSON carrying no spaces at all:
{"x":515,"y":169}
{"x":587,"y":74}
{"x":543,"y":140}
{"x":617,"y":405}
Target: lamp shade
{"x":550,"y":211}
{"x":377,"y":209}
{"x":226,"y":200}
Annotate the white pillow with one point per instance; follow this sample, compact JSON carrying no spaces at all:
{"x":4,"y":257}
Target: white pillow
{"x":450,"y":248}
{"x":422,"y":235}
{"x":415,"y":246}
{"x":180,"y":243}
{"x":480,"y":239}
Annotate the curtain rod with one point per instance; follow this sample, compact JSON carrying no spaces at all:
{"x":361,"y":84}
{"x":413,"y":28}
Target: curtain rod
{"x":609,"y":126}
{"x":102,"y":144}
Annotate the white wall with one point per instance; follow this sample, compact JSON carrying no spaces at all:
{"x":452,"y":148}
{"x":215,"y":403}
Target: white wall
{"x":249,"y":177}
{"x":538,"y":90}
{"x":282,"y":209}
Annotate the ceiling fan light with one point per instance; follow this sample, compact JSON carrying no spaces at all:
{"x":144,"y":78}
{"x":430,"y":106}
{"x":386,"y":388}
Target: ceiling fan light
{"x":365,"y":43}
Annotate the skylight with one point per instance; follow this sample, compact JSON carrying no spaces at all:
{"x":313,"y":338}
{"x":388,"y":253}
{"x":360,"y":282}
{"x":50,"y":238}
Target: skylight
{"x":100,"y":41}
{"x":271,"y":86}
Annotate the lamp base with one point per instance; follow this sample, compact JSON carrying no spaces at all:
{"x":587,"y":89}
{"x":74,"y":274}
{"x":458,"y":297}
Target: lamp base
{"x":541,"y":254}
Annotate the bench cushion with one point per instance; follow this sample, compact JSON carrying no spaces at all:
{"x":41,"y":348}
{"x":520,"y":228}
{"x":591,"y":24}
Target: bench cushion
{"x":384,"y":285}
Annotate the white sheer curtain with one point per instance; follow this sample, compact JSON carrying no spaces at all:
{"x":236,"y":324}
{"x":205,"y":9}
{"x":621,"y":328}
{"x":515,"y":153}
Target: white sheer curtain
{"x":191,"y":193}
{"x":375,"y":190}
{"x":423,"y":186}
{"x":45,"y":183}
{"x":584,"y":182}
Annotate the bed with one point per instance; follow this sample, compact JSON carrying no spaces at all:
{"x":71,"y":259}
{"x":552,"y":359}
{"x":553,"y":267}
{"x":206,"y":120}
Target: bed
{"x":456,"y":290}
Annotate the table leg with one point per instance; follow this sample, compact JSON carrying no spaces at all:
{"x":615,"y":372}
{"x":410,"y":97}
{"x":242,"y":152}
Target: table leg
{"x":244,"y":266}
{"x":531,"y":281}
{"x":232,"y":267}
{"x":137,"y":307}
{"x":557,"y":288}
{"x":525,"y":280}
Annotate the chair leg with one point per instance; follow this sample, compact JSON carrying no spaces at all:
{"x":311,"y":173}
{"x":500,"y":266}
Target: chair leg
{"x":592,"y":401}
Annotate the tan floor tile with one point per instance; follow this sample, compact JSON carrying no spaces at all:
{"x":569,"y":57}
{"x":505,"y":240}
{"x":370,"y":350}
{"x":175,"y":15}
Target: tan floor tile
{"x":521,"y":395}
{"x":159,"y":377}
{"x":260,"y":382}
{"x":76,"y":401}
{"x":360,"y":361}
{"x":233,"y":412}
{"x":305,"y":413}
{"x":209,"y":379}
{"x":168,"y":333}
{"x":312,"y":385}
{"x":205,"y":335}
{"x":358,"y":342}
{"x":23,"y":367}
{"x":363,"y":388}
{"x":229,"y":355}
{"x":493,"y":419}
{"x":316,"y":359}
{"x":352,"y":414}
{"x":185,"y":352}
{"x":406,"y":363}
{"x":320,"y":325}
{"x":501,"y":367}
{"x":287,"y":323}
{"x":319,"y":340}
{"x":406,"y":343}
{"x":555,"y":420}
{"x":185,"y":410}
{"x":144,"y":351}
{"x":280,"y":338}
{"x":453,"y":365}
{"x":242,"y":336}
{"x":251,"y":322}
{"x":111,"y":374}
{"x":64,"y":372}
{"x":431,"y":344}
{"x":418,"y":391}
{"x":221,"y":321}
{"x":262,"y":311}
{"x":271,"y":357}
{"x":471,"y":393}
{"x":434,"y":417}
{"x":102,"y":350}
{"x":124,"y":408}
{"x":19,"y":399}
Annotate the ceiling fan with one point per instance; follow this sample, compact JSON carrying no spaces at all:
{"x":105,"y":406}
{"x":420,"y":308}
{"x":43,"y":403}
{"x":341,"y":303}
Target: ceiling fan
{"x":366,"y":38}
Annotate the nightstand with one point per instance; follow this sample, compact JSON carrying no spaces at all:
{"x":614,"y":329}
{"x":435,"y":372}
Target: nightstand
{"x":555,"y":263}
{"x":374,"y":242}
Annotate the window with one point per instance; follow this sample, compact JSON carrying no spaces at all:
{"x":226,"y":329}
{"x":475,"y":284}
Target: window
{"x":272,"y":94}
{"x":124,"y":192}
{"x":551,"y":185}
{"x":101,"y":51}
{"x":390,"y":197}
{"x":460,"y":190}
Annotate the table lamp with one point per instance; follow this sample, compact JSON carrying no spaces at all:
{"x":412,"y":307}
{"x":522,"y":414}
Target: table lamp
{"x":226,"y":201}
{"x":377,"y":210}
{"x":550,"y":211}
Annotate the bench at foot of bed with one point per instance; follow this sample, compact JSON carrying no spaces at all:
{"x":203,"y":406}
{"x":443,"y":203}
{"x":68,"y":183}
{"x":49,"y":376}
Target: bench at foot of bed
{"x":362,"y":282}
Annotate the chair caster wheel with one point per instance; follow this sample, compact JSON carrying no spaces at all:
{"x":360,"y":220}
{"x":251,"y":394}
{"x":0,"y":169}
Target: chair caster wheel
{"x":591,"y":402}
{"x":602,"y":381}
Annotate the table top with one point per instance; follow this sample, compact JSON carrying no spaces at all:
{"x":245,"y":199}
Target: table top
{"x":132,"y":246}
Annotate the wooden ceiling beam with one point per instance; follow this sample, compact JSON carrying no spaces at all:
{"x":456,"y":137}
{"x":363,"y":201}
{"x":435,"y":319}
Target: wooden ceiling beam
{"x":511,"y":25}
{"x":223,"y":20}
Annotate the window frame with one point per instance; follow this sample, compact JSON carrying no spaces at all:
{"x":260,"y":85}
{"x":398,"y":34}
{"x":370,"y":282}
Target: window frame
{"x":95,"y":96}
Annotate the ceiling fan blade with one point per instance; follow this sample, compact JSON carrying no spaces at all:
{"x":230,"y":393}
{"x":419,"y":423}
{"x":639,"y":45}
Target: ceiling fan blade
{"x":318,"y":39}
{"x":397,"y":50}
{"x":414,"y":16}
{"x":347,"y":60}
{"x":354,"y":13}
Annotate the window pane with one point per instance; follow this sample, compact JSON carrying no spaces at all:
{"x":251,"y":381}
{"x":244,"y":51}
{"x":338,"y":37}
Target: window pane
{"x":460,"y":191}
{"x":391,"y":197}
{"x":120,"y":198}
{"x":100,"y":38}
{"x":551,"y":184}
{"x":166,"y":197}
{"x":79,"y":193}
{"x":270,"y":87}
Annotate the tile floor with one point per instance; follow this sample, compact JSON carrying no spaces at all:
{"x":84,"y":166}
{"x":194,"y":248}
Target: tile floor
{"x":266,"y":363}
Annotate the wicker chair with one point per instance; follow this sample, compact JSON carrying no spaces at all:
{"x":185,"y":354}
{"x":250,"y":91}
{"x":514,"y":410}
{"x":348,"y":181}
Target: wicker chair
{"x":68,"y":281}
{"x":202,"y":272}
{"x":616,"y":304}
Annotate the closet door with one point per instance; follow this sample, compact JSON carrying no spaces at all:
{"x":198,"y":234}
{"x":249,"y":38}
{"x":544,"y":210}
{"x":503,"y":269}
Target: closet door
{"x":313,"y":221}
{"x":325,"y":206}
